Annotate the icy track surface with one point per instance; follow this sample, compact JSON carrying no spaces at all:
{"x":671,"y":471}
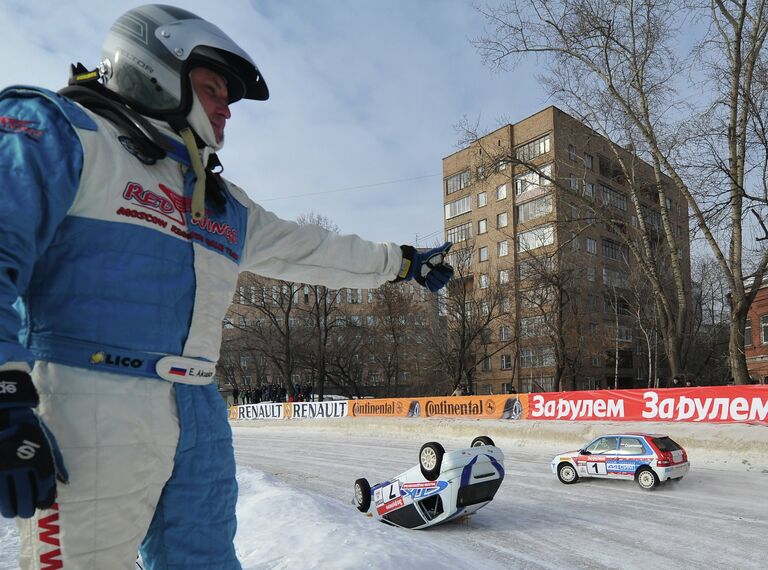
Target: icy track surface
{"x":295,"y":509}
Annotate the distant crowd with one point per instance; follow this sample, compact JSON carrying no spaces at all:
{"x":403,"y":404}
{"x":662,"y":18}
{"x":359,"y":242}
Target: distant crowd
{"x":271,"y":393}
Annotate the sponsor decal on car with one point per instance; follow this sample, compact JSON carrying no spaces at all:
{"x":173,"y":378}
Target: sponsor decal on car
{"x":420,"y":485}
{"x":420,"y":490}
{"x":390,"y":506}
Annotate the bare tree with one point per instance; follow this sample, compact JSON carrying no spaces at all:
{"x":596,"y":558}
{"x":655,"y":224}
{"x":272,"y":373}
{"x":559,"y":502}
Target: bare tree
{"x":475,"y":307}
{"x":613,"y":65}
{"x":320,"y":311}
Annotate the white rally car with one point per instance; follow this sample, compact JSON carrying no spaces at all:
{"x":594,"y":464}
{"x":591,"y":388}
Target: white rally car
{"x":647,"y":458}
{"x":442,"y":487}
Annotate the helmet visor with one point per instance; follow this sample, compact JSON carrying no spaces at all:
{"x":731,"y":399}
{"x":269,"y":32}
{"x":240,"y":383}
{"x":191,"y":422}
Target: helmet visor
{"x":182,"y":37}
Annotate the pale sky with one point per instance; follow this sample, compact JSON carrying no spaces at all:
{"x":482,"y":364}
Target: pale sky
{"x":365,"y":95}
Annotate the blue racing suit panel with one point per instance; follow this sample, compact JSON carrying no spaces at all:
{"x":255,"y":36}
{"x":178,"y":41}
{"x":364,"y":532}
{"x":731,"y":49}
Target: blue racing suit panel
{"x":91,"y":300}
{"x":40,"y":173}
{"x":194,"y":523}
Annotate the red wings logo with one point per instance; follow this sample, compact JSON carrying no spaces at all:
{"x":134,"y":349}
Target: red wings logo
{"x":171,"y":205}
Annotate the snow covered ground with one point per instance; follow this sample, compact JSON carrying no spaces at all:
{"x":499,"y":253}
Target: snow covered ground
{"x":296,"y":512}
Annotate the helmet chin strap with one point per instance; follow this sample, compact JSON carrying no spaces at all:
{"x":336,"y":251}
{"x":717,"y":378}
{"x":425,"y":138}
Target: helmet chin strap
{"x":198,"y":194}
{"x":198,"y":120}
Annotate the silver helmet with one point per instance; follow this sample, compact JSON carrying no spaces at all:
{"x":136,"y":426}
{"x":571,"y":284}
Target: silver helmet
{"x":150,"y":50}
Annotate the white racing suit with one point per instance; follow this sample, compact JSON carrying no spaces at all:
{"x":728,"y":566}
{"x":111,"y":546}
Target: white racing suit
{"x":115,"y":298}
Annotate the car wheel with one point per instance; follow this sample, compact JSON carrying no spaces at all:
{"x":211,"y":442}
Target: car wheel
{"x":430,"y":460}
{"x":481,"y":440}
{"x":646,"y":478}
{"x":567,"y":473}
{"x":362,"y":495}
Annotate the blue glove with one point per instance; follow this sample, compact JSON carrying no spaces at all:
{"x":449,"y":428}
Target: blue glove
{"x":428,"y":268}
{"x":30,"y":460}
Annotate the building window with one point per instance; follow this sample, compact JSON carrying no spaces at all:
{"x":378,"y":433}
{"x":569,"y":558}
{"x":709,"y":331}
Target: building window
{"x":615,"y":278}
{"x":591,"y":274}
{"x":613,"y":250}
{"x":482,"y":199}
{"x":504,"y":333}
{"x":588,"y":161}
{"x":501,"y":191}
{"x":503,"y":276}
{"x":764,"y":329}
{"x":482,"y":226}
{"x":537,"y":357}
{"x":592,"y":246}
{"x":535,"y":238}
{"x":484,"y":281}
{"x":506,"y":362}
{"x":575,"y":242}
{"x":593,"y":329}
{"x":457,"y":182}
{"x":614,"y":199}
{"x":503,"y":248}
{"x":589,"y":190}
{"x":483,"y":251}
{"x":624,"y":334}
{"x":574,"y":182}
{"x":748,"y":332}
{"x":534,"y":209}
{"x":534,"y":266}
{"x":532,"y":180}
{"x":501,"y":220}
{"x":244,"y":362}
{"x":481,"y":173}
{"x":531,"y":150}
{"x":460,"y":233}
{"x":571,"y":152}
{"x":486,"y":364}
{"x":533,"y":327}
{"x":538,"y":384}
{"x":460,"y":206}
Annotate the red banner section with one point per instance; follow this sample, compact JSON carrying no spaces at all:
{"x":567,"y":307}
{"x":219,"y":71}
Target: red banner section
{"x":718,"y":404}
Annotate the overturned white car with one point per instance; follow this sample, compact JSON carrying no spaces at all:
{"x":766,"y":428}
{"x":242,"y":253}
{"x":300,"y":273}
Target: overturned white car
{"x":442,"y":487}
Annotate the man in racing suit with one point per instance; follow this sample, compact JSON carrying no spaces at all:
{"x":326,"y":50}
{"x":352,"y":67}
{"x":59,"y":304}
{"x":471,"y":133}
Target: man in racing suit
{"x":120,"y":254}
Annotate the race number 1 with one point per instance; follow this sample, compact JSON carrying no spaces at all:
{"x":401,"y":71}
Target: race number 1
{"x":596,"y":468}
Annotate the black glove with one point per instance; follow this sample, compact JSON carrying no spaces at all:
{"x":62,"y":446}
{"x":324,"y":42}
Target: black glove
{"x":30,"y":460}
{"x":428,"y":268}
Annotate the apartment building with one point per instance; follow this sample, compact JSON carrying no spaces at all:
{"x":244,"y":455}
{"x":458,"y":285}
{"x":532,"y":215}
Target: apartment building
{"x":539,"y":212}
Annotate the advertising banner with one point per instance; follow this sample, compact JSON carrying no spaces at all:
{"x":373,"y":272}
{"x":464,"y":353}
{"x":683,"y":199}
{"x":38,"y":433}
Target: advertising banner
{"x":287,"y":410}
{"x":716,"y":404}
{"x":497,"y":407}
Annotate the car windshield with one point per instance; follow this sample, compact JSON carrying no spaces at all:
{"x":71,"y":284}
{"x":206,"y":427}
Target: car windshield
{"x":666,"y":444}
